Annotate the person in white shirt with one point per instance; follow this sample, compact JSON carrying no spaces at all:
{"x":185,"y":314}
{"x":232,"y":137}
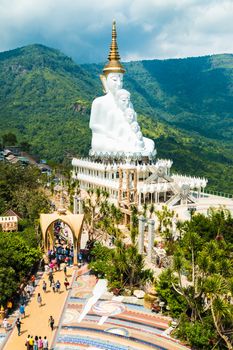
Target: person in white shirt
{"x":45,"y":344}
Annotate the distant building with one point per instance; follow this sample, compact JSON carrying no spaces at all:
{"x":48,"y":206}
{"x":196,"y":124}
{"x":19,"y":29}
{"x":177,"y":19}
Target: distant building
{"x":23,"y":158}
{"x":45,"y":169}
{"x":14,"y":149}
{"x":9,"y":221}
{"x":11,"y":158}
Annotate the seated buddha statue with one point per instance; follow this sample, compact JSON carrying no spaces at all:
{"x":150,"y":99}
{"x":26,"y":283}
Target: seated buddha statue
{"x":113,"y":120}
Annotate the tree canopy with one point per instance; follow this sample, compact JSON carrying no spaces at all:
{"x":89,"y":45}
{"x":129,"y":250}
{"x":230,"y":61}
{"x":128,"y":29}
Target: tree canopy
{"x":198,"y":285}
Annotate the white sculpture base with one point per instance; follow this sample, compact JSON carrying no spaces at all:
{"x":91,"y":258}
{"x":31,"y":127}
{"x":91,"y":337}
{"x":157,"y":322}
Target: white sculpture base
{"x":122,"y":155}
{"x":155,"y":184}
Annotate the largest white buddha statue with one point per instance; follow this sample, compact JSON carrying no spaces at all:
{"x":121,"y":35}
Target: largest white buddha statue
{"x":113,"y":120}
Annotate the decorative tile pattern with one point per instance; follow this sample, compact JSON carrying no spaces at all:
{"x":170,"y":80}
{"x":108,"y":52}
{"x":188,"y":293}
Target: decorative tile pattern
{"x":128,"y":326}
{"x":108,"y":308}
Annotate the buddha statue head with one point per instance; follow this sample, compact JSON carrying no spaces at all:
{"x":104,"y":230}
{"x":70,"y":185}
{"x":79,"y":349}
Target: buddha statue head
{"x":123,"y":99}
{"x":112,"y":79}
{"x":135,"y":127}
{"x":131,"y":115}
{"x":114,"y":82}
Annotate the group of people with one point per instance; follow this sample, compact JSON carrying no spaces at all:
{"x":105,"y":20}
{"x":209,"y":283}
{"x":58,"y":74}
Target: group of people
{"x":36,"y":343}
{"x":62,"y":253}
{"x":63,"y":250}
{"x":56,"y":286}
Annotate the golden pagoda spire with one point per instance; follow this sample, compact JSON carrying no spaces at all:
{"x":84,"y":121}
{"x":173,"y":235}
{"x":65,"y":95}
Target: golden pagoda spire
{"x":114,"y":65}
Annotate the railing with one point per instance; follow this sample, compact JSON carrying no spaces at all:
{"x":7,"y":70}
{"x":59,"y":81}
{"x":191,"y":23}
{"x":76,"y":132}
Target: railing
{"x":214,"y":193}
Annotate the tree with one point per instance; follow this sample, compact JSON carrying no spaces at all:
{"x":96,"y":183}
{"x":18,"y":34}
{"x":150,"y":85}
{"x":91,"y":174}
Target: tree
{"x":8,"y":284}
{"x":101,"y":217}
{"x":9,"y":139}
{"x":19,"y":253}
{"x":123,"y":266}
{"x":218,"y":291}
{"x":165,"y":217}
{"x":202,"y":275}
{"x":20,"y":189}
{"x":25,"y":146}
{"x":174,"y":300}
{"x":31,"y":203}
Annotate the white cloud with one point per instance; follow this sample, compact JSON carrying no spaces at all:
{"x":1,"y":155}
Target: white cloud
{"x":146,"y":29}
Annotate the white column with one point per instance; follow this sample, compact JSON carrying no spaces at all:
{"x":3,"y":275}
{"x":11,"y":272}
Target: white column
{"x":141,"y":230}
{"x":139,"y":199}
{"x":75,"y":206}
{"x":80,"y":206}
{"x":151,"y":238}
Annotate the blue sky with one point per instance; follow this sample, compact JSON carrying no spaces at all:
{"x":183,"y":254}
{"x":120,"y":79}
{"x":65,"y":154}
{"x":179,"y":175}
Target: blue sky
{"x":147,"y":29}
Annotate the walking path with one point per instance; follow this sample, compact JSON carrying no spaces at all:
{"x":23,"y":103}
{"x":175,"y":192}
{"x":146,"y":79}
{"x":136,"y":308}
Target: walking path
{"x":36,"y":320}
{"x":124,"y":326}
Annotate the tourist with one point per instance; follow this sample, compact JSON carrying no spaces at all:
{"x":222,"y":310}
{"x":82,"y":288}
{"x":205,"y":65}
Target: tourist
{"x":23,"y":297}
{"x":5,"y":324}
{"x":31,"y":343}
{"x":46,"y":268}
{"x":22,"y":310}
{"x":58,"y":286}
{"x":51,"y":266}
{"x":44,"y":286}
{"x":27,"y":342}
{"x":18,"y":325}
{"x":51,"y":322}
{"x":42,"y":264}
{"x":71,"y":257}
{"x":65,"y":270}
{"x":80,"y":257}
{"x":58,"y":264}
{"x":51,"y":279}
{"x":35,"y":346}
{"x":45,"y":344}
{"x":53,"y":287}
{"x":40,"y":343}
{"x":39,"y":299}
{"x":66,"y":283}
{"x":28,"y":289}
{"x":33,"y":280}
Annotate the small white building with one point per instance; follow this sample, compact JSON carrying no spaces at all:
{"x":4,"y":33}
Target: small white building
{"x":9,"y":221}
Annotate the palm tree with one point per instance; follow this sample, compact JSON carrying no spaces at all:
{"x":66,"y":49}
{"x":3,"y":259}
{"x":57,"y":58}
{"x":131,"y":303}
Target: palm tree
{"x":129,"y":265}
{"x":95,"y":206}
{"x":151,"y":210}
{"x":217,"y":288}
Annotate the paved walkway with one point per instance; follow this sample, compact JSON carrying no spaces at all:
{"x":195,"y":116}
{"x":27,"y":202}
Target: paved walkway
{"x":125,"y":326}
{"x":36,"y":320}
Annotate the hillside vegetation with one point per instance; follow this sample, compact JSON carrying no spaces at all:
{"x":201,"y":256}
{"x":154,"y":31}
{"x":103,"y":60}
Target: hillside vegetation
{"x":185,"y":105}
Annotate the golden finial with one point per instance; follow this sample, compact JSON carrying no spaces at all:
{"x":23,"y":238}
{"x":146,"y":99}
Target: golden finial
{"x":114,"y":65}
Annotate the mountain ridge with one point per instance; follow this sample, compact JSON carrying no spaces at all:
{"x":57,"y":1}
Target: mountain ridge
{"x":46,"y":99}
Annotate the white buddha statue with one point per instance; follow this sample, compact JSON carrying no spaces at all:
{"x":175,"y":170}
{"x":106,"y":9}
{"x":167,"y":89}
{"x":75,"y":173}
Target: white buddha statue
{"x":113,"y":120}
{"x":102,"y":123}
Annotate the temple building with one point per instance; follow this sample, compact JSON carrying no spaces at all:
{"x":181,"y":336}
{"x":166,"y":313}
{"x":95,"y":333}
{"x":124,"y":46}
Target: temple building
{"x":123,"y":162}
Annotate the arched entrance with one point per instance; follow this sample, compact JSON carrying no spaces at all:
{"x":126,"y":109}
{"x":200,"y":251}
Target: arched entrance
{"x":73,"y":221}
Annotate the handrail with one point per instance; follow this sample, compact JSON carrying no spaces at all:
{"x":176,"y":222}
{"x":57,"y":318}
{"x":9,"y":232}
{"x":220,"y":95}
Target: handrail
{"x":215,"y":193}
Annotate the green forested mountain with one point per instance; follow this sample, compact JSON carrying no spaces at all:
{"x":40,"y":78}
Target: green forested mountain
{"x":185,"y":105}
